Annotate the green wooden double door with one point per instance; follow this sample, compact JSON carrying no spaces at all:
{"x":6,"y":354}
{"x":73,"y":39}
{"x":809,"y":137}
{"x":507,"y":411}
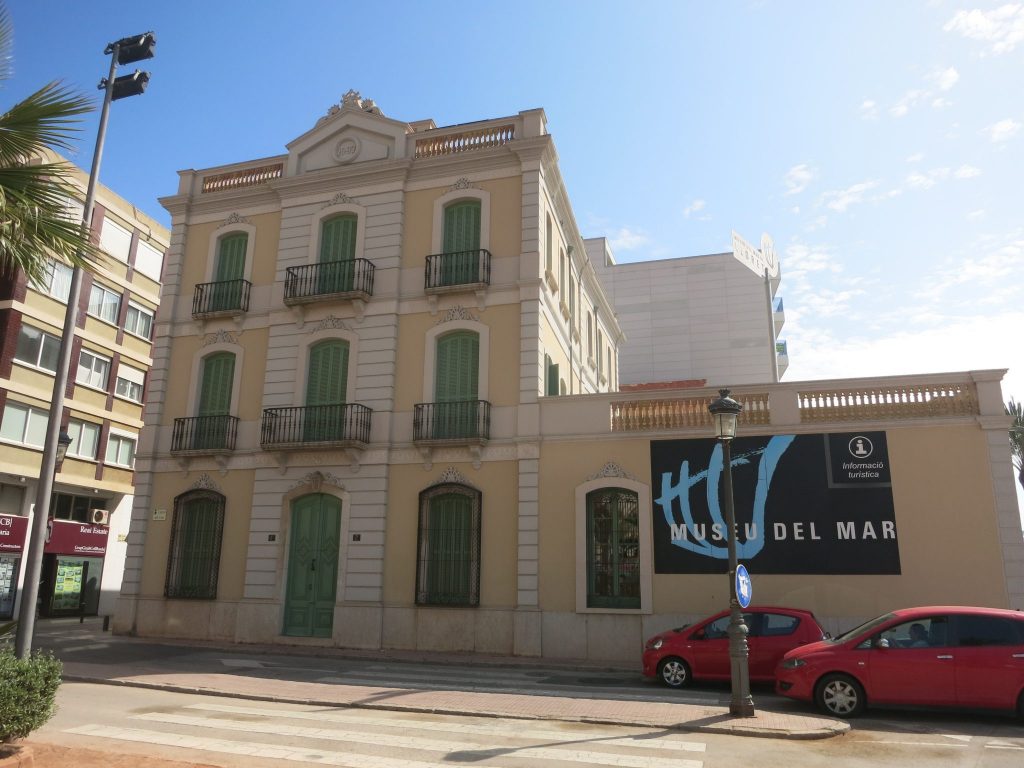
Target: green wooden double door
{"x":314,"y":544}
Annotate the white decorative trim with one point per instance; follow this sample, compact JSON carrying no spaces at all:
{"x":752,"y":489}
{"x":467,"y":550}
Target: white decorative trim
{"x":220,"y":337}
{"x":463,"y":183}
{"x":315,"y":480}
{"x":330,"y":323}
{"x":430,"y":355}
{"x":452,"y":475}
{"x":611,"y":469}
{"x":457,"y":312}
{"x":340,"y":199}
{"x":205,"y":483}
{"x":234,"y":218}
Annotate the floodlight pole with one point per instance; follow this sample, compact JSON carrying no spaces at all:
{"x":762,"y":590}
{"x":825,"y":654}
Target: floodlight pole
{"x":37,"y":539}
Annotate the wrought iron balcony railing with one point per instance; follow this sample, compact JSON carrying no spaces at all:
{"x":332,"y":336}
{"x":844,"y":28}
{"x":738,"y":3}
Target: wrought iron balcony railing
{"x":467,"y":421}
{"x":204,"y":434}
{"x":344,"y":424}
{"x":224,"y":297}
{"x":458,"y":269}
{"x":329,"y":279}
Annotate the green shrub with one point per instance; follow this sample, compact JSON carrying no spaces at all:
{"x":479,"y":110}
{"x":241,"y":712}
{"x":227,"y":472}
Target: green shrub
{"x":28,"y":689}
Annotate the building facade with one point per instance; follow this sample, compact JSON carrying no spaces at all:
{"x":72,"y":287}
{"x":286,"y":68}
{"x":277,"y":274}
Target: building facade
{"x":384,"y":414}
{"x":715,"y":318}
{"x":111,"y":356}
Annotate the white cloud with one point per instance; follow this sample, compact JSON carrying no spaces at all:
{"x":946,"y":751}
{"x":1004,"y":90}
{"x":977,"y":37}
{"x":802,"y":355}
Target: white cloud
{"x":945,"y":78}
{"x":840,"y":200}
{"x":869,"y":110}
{"x":694,"y":208}
{"x":927,"y":180}
{"x":1002,"y":28}
{"x":996,"y":264}
{"x":798,"y":177}
{"x":916,"y":157}
{"x":941,"y":103}
{"x":800,"y":259}
{"x":795,"y":209}
{"x":626,"y":239}
{"x":975,"y":215}
{"x":967,"y":172}
{"x":910,"y":99}
{"x":1003,"y":130}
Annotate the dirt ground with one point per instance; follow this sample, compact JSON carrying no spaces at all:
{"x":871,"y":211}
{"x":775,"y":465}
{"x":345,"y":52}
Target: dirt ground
{"x":53,"y":756}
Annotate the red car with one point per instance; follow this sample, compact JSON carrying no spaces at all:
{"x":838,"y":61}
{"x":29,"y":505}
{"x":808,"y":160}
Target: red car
{"x":701,"y":651}
{"x":944,"y":656}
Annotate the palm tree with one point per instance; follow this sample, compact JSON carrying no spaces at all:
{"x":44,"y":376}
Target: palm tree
{"x":34,"y":184}
{"x":1016,"y":410}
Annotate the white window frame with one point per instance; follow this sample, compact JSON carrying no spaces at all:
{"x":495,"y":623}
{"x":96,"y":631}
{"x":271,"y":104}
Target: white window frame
{"x":52,"y":268}
{"x":103,"y":303}
{"x":119,"y":437}
{"x":97,"y":357}
{"x":75,"y":429}
{"x":147,"y":256}
{"x":115,"y":240}
{"x":457,"y":195}
{"x":317,"y":228}
{"x":135,"y":376}
{"x":45,"y":338}
{"x":483,"y":333}
{"x":226,"y":230}
{"x":30,"y":414}
{"x":141,"y":310}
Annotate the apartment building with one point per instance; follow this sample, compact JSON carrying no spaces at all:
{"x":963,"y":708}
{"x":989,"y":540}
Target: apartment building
{"x":384,"y":413}
{"x":111,"y":356}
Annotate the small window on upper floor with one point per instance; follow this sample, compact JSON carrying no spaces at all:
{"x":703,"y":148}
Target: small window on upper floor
{"x":57,"y":281}
{"x":461,"y":227}
{"x":120,"y":450}
{"x":149,"y":260}
{"x":130,"y":383}
{"x":104,"y":303}
{"x":548,"y":246}
{"x":85,"y":439}
{"x":24,"y":424}
{"x":115,"y":240}
{"x":138,"y":321}
{"x":37,"y":348}
{"x":93,"y":370}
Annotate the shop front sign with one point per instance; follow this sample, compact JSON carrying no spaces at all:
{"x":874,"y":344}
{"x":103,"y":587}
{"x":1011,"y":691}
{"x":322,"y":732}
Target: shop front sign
{"x":12,"y":533}
{"x":70,"y":538}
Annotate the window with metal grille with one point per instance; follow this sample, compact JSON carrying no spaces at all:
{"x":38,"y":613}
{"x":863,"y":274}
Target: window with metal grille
{"x":613,"y":549}
{"x":448,"y":551}
{"x":194,"y":559}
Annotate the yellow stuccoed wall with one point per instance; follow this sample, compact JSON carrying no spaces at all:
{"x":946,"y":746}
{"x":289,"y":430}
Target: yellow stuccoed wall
{"x":236,"y":486}
{"x":942,"y":495}
{"x":498,"y":524}
{"x":198,"y":252}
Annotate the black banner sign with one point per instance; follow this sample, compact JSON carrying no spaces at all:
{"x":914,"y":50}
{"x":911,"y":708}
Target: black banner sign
{"x":803,"y":504}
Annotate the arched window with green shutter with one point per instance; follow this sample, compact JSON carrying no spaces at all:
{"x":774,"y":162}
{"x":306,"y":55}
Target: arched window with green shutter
{"x":337,"y":253}
{"x":448,"y":557}
{"x":193,"y":561}
{"x":461,"y":243}
{"x":326,"y":382}
{"x":229,"y":271}
{"x":215,"y":385}
{"x":456,"y":384}
{"x":613,"y":549}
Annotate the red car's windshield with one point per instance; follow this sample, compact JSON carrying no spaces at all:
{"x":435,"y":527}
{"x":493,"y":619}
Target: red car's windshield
{"x":865,"y":627}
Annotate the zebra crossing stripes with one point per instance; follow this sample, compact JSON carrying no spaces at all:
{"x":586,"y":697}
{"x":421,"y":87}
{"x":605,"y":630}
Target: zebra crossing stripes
{"x":374,"y":741}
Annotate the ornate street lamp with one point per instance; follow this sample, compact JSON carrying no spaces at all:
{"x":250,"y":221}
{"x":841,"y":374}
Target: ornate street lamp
{"x":725,"y":411}
{"x":63,"y":443}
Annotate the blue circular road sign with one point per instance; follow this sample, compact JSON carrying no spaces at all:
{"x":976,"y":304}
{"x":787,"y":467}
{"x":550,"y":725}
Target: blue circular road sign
{"x":744,"y":589}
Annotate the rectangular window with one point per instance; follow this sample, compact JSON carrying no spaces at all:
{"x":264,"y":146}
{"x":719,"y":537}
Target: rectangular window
{"x":104,"y":303}
{"x":57,"y":281}
{"x":85,"y":438}
{"x":149,"y":260}
{"x":130,"y":382}
{"x":138,"y":321}
{"x":64,"y":506}
{"x":24,"y":424}
{"x":448,"y":567}
{"x":194,"y":559}
{"x":37,"y":348}
{"x":93,"y":370}
{"x":120,"y":450}
{"x":548,"y":245}
{"x":115,"y":240}
{"x":613,"y":549}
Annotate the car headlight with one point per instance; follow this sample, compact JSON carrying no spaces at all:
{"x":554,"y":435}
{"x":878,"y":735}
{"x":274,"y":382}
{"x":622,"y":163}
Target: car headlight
{"x":793,"y":663}
{"x":655,"y":644}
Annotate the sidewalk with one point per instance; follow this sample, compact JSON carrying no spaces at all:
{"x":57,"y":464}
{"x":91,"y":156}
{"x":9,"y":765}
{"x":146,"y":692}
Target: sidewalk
{"x":90,"y":657}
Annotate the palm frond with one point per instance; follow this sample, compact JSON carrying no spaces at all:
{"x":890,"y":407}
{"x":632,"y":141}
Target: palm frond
{"x":48,"y":119}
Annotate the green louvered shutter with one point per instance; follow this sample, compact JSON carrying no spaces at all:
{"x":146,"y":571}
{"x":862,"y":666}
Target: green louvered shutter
{"x":461,"y":243}
{"x":325,"y":391}
{"x":215,"y":400}
{"x":227,"y":293}
{"x":337,"y":254}
{"x":449,"y":550}
{"x":456,"y":380}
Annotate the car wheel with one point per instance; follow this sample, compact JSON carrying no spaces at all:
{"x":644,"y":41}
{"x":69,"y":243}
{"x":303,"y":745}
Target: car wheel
{"x":674,"y":672}
{"x":840,"y":695}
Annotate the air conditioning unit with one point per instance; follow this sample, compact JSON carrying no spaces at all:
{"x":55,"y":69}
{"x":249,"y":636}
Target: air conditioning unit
{"x":99,"y":517}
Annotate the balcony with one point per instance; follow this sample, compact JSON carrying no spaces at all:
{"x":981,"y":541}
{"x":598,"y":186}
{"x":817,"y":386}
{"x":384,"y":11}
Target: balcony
{"x":227,"y":298}
{"x":782,"y":355}
{"x":458,"y":271}
{"x":204,"y":435}
{"x":453,"y":143}
{"x":248,"y":177}
{"x":329,"y":280}
{"x":345,"y":425}
{"x":464,"y":422}
{"x":779,"y":315}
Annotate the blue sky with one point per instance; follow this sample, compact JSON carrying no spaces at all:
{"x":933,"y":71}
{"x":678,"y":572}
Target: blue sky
{"x":879,"y":143}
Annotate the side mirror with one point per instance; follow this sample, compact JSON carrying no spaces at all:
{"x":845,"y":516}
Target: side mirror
{"x":882,"y":643}
{"x":700,"y":635}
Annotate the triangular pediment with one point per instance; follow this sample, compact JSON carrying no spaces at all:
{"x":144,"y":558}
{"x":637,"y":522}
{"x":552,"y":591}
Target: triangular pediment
{"x":354,"y":131}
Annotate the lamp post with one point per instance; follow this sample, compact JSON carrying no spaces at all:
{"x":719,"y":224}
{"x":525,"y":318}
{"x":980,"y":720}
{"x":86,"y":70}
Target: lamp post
{"x":725,"y":411}
{"x":125,"y":51}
